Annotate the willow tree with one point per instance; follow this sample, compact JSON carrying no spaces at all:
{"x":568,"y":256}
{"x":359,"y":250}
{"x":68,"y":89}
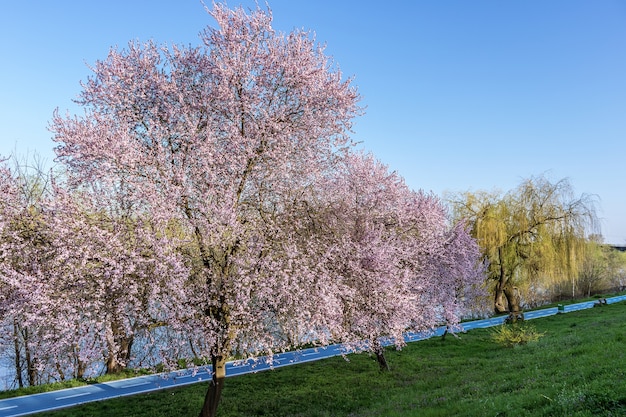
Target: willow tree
{"x":530,"y":236}
{"x":602,"y":268}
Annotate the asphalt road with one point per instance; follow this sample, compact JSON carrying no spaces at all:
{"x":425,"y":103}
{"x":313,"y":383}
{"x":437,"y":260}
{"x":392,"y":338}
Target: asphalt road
{"x":30,"y":404}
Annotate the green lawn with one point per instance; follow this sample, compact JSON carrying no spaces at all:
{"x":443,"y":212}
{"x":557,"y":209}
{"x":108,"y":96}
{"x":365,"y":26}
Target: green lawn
{"x":578,"y":368}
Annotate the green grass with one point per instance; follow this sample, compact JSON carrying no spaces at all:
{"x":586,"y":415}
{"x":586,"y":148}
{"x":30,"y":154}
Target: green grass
{"x":72,"y":383}
{"x":578,"y":368}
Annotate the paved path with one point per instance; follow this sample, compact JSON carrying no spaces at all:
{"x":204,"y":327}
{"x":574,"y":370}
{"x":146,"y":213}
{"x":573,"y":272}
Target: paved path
{"x":30,"y":404}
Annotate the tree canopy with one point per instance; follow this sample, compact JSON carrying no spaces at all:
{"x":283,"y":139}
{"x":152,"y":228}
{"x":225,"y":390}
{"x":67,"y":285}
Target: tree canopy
{"x":214,"y":207}
{"x":530,"y":236}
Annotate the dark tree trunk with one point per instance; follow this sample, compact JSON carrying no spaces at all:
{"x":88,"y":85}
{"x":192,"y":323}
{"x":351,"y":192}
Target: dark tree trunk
{"x":79,"y":372}
{"x":18,"y":355}
{"x":31,"y":368}
{"x":214,"y":393}
{"x":379,"y":351}
{"x":60,"y":371}
{"x":500,"y":302}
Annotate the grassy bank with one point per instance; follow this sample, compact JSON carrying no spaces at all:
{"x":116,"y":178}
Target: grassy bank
{"x":578,"y":368}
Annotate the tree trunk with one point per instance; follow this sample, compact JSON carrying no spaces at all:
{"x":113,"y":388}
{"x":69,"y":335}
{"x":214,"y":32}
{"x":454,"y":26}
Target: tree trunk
{"x":512,"y":298}
{"x":60,"y":371}
{"x":112,"y":365}
{"x":79,"y":366}
{"x":500,"y":302}
{"x":379,"y":351}
{"x":79,"y":370}
{"x":514,"y":301}
{"x":31,"y":368}
{"x":119,"y":346}
{"x":18,"y":356}
{"x":214,"y":393}
{"x":126,"y":345}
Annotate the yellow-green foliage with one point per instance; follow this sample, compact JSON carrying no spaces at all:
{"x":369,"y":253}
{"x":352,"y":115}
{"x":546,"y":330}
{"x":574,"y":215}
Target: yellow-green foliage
{"x":510,"y":335}
{"x":532,"y":236}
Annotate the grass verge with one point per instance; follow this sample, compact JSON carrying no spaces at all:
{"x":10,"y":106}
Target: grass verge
{"x":578,"y":368}
{"x":71,"y":383}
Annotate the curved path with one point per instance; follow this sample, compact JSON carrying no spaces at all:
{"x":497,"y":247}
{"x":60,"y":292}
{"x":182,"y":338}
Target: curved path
{"x":30,"y":404}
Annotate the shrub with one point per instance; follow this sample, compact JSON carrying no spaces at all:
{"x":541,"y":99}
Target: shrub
{"x":518,"y":333}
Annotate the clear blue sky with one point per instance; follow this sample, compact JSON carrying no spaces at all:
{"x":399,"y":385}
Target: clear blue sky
{"x":460,"y":95}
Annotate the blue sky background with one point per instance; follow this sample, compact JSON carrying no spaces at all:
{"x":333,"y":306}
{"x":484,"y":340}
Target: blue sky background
{"x":460,"y":95}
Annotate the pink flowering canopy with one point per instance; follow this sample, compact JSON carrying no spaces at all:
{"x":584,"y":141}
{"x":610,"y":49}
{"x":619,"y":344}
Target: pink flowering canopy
{"x":214,"y":206}
{"x":220,"y":145}
{"x":398,"y":264}
{"x":81,"y":279}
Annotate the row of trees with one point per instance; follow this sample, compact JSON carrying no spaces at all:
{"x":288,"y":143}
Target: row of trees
{"x":88,"y":282}
{"x":212,"y":205}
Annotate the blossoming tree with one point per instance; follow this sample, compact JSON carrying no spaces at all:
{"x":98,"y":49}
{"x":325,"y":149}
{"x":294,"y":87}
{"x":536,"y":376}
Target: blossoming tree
{"x":220,"y":141}
{"x":238,"y":152}
{"x":117,"y":278}
{"x":399,"y":265}
{"x":25,"y":255}
{"x":81,"y":278}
